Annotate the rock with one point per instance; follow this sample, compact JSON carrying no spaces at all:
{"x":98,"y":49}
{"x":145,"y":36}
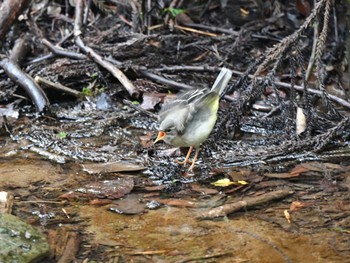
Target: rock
{"x":20,"y":242}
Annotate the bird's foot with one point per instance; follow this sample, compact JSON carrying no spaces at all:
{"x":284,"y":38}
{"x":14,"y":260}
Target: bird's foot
{"x":184,"y":162}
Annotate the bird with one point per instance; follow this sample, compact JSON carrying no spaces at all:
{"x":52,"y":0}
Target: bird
{"x":188,"y":119}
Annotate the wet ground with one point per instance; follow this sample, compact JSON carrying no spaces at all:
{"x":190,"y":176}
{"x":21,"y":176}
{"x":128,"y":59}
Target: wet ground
{"x":174,"y":235}
{"x":86,"y":174}
{"x":172,"y":231}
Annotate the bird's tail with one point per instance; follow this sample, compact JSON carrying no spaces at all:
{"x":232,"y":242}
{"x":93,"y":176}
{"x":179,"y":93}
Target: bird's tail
{"x":221,"y":81}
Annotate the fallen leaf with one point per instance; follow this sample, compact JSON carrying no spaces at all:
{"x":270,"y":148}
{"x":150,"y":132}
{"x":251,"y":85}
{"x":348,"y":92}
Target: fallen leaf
{"x":226,"y":182}
{"x":303,"y":6}
{"x":111,"y":167}
{"x":111,"y":189}
{"x":146,"y":140}
{"x":287,"y":216}
{"x":183,"y":19}
{"x":296,"y":205}
{"x":300,"y":121}
{"x":150,"y":100}
{"x":203,"y":190}
{"x":131,"y":205}
{"x":223,"y":182}
{"x":297,"y":170}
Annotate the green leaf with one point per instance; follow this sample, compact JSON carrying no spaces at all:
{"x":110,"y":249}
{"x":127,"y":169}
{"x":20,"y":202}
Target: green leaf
{"x":87,"y":91}
{"x":174,"y":11}
{"x":62,"y":135}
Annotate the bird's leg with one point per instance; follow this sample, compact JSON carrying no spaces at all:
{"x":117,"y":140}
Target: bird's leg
{"x":194,"y":159}
{"x":187,"y":157}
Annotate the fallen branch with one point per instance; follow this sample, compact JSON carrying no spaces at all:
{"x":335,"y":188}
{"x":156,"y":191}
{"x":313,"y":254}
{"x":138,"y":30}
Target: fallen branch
{"x":34,"y":91}
{"x":9,"y":11}
{"x":229,"y":208}
{"x":117,"y":73}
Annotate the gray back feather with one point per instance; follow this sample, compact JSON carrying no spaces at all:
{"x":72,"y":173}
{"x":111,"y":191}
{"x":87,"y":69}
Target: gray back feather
{"x":177,"y":112}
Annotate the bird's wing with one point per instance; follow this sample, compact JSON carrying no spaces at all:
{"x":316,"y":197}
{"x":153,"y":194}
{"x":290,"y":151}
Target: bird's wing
{"x":177,"y":112}
{"x":175,"y":115}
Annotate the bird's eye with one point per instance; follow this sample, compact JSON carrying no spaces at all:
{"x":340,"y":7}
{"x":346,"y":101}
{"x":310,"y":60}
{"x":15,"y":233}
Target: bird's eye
{"x":167,"y":130}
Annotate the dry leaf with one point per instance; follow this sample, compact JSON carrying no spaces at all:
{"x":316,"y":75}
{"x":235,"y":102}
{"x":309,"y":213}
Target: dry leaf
{"x":111,"y":189}
{"x":303,"y":6}
{"x":203,"y":190}
{"x":112,"y":167}
{"x":146,"y":140}
{"x":297,"y":170}
{"x":300,"y":121}
{"x":287,"y":216}
{"x":296,"y":205}
{"x":150,"y":100}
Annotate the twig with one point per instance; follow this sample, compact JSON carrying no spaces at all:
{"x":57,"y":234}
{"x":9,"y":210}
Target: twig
{"x":313,"y":52}
{"x":228,"y":31}
{"x":207,"y":257}
{"x":135,"y":15}
{"x":135,"y":107}
{"x":117,"y":73}
{"x":57,"y":86}
{"x":229,"y":208}
{"x":61,"y":52}
{"x":213,"y":29}
{"x":40,"y":59}
{"x":65,"y":38}
{"x":204,"y":68}
{"x":195,"y":31}
{"x":165,"y":81}
{"x":148,"y":15}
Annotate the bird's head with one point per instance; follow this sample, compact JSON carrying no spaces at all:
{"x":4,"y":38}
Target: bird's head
{"x":167,"y":132}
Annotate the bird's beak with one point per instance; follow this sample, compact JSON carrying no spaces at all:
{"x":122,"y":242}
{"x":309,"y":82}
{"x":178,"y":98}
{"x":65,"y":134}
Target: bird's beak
{"x":161,"y":136}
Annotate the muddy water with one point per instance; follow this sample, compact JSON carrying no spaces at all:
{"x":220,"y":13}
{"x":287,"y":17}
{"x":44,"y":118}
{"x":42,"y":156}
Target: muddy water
{"x":174,"y":235}
{"x":168,"y":234}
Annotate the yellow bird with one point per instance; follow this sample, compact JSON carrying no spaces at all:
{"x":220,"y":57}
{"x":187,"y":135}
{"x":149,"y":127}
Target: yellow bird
{"x":188,"y":120}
